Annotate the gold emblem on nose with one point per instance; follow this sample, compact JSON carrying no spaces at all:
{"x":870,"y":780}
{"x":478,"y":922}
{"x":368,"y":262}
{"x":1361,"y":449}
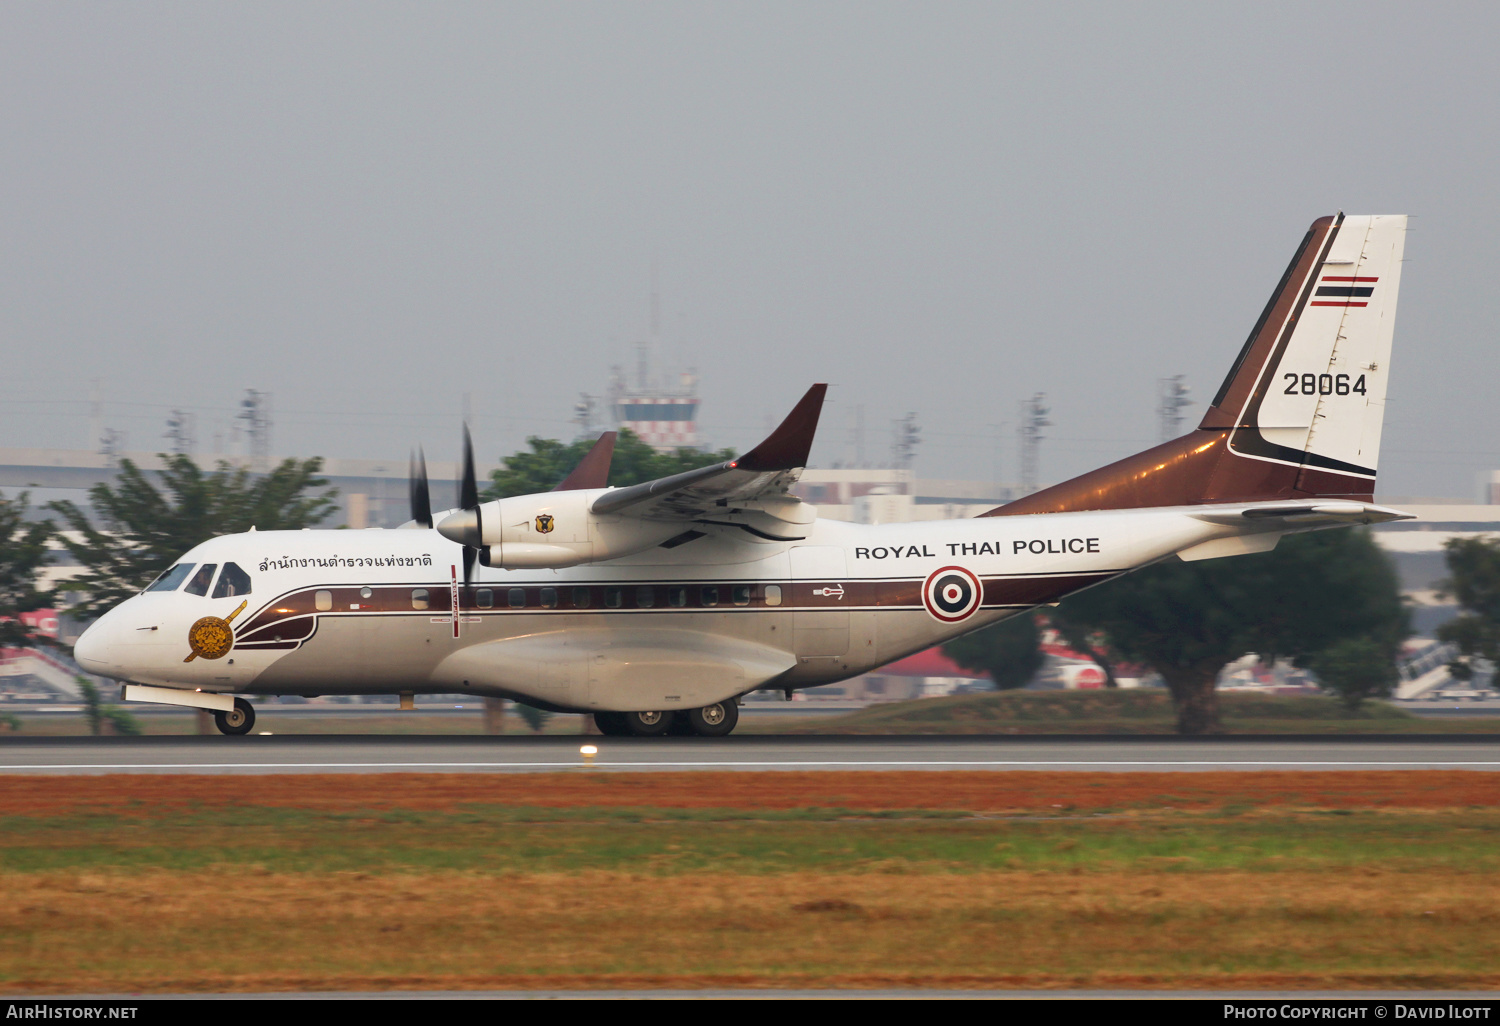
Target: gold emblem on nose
{"x":211,"y":637}
{"x":544,"y":523}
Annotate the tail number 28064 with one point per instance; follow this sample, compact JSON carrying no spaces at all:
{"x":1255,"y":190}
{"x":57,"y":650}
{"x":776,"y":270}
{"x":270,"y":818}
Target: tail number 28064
{"x":1322,"y":384}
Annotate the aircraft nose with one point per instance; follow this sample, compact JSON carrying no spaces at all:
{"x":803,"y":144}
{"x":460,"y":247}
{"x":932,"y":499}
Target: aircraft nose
{"x":97,"y":647}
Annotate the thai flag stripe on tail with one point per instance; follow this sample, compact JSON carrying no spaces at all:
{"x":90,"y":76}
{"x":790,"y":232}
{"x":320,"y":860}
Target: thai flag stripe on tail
{"x":1345,"y":295}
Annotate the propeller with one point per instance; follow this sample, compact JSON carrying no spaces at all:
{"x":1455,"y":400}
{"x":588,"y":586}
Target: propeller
{"x":421,"y":503}
{"x":468,"y":501}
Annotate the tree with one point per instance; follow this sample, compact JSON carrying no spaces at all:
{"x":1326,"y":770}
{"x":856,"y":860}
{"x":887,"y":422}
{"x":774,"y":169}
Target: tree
{"x":549,"y":461}
{"x":1474,"y":582}
{"x":1187,"y":621}
{"x":535,"y":718}
{"x":23,"y":553}
{"x":143,"y":529}
{"x":1009,"y":651}
{"x":97,"y":712}
{"x":1356,"y":669}
{"x":1083,"y":638}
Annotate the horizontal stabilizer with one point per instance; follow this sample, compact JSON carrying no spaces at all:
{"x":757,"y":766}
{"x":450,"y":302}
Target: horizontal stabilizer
{"x":1304,"y":514}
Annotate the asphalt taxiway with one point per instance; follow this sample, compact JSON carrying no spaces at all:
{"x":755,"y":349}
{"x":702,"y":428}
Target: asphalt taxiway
{"x":448,"y":754}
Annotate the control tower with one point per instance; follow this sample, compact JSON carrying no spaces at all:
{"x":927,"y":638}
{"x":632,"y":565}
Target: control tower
{"x":663,"y":414}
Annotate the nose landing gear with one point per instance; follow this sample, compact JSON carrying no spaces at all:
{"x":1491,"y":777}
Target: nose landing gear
{"x":711,"y":721}
{"x":238,"y":720}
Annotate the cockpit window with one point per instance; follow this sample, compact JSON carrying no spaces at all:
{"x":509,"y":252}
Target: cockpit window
{"x":202,"y":579}
{"x":171,"y":579}
{"x":233,"y":581}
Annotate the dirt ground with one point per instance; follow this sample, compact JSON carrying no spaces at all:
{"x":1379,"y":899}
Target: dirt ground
{"x":974,"y":791}
{"x":213,"y":931}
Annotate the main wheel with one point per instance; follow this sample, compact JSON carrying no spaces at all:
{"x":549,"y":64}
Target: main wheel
{"x":611,"y":724}
{"x":648,"y":724}
{"x":238,"y":720}
{"x":714,"y":720}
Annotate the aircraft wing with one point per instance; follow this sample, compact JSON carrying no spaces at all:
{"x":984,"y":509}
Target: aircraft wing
{"x":765,"y":474}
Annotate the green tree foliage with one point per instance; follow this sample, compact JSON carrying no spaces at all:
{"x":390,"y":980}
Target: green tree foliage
{"x":10,"y":721}
{"x":1187,"y":621}
{"x":1356,"y":669}
{"x":142,"y":529}
{"x":98,"y":713}
{"x":549,"y":461}
{"x":1009,"y":651}
{"x":1083,"y":638}
{"x":23,"y":553}
{"x":535,"y":718}
{"x":1474,"y":583}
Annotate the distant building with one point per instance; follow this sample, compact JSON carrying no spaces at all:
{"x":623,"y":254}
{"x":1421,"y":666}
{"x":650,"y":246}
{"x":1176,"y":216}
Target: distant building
{"x":664,"y":416}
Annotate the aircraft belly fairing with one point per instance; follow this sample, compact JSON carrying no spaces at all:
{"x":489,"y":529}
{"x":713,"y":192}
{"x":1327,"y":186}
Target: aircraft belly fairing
{"x":615,"y":670}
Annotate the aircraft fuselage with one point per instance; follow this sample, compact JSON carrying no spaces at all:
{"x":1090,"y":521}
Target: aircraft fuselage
{"x":369,"y":612}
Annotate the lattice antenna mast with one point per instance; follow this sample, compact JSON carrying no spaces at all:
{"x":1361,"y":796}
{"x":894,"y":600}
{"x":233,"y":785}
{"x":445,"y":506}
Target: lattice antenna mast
{"x":584,"y":412}
{"x":182,"y":433}
{"x":1033,"y":419}
{"x":907,"y":436}
{"x":111,"y":446}
{"x":255,"y":411}
{"x":1171,"y":398}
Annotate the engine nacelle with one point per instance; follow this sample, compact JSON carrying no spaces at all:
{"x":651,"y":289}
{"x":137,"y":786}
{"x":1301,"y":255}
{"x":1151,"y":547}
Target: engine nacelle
{"x":552,"y":529}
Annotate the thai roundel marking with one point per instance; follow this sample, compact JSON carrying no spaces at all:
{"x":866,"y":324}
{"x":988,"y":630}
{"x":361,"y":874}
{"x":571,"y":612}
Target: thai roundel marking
{"x":952,"y":594}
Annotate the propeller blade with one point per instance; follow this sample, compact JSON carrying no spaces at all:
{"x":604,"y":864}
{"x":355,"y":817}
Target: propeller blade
{"x":468,"y":495}
{"x":421,"y":503}
{"x":470,"y":555}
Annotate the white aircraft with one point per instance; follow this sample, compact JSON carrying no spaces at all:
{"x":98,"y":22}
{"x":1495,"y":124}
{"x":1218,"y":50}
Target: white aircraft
{"x":656,"y":606}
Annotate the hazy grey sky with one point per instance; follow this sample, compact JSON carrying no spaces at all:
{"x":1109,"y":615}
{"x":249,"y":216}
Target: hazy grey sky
{"x":370,"y":209}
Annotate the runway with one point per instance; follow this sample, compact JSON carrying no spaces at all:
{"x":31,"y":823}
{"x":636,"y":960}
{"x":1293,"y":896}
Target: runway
{"x":405,"y":754}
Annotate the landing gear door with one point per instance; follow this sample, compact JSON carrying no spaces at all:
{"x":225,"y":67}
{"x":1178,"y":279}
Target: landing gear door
{"x":820,"y":611}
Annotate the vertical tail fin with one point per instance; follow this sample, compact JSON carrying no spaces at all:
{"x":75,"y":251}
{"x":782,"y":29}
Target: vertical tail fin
{"x":1300,"y":413}
{"x":1309,"y":388}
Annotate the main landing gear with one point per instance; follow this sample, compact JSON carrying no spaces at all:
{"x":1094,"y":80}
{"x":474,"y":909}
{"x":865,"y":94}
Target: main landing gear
{"x":238,"y":720}
{"x":711,"y":721}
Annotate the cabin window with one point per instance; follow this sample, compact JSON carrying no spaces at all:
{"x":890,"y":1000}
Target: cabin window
{"x":645,"y":597}
{"x":773,"y":594}
{"x":323,"y":601}
{"x":741,"y":594}
{"x":549,"y":598}
{"x":708,"y":595}
{"x":614,"y":598}
{"x":484,"y":598}
{"x":201,"y":580}
{"x":516,"y":597}
{"x":581,"y":598}
{"x":171,"y":579}
{"x":419,"y":598}
{"x":677,"y":596}
{"x":233,"y":581}
{"x":365,"y":593}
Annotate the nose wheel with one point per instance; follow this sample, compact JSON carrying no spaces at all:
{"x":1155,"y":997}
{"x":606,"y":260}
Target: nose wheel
{"x":238,"y":720}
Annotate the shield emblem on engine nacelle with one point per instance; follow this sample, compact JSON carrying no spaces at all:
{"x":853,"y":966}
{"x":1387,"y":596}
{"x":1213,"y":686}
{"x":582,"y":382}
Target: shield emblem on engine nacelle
{"x":544,"y":523}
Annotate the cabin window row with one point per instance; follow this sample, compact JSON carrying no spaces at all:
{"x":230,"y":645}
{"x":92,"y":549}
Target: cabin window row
{"x":643,"y":596}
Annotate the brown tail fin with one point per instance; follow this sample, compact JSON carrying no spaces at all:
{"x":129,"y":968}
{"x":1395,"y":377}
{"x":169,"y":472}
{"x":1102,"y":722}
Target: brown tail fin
{"x":1300,"y":412}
